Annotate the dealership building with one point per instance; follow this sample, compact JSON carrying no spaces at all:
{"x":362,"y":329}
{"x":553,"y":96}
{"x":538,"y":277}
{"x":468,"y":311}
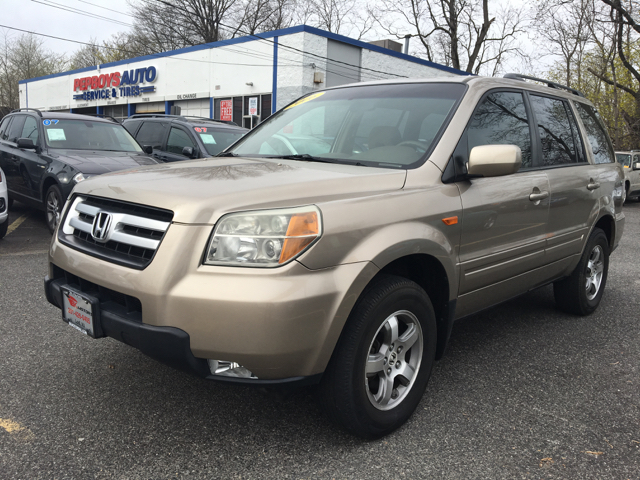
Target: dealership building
{"x":244,"y":79}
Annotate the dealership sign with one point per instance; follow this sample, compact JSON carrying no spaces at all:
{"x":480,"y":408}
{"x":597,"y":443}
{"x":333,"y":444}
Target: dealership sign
{"x":114,"y":85}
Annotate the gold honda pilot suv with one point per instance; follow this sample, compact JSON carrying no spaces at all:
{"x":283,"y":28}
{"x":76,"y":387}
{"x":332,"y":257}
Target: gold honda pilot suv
{"x":339,"y":241}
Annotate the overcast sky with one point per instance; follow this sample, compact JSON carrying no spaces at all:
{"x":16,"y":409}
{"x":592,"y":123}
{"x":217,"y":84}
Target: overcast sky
{"x":40,"y":18}
{"x":53,"y":17}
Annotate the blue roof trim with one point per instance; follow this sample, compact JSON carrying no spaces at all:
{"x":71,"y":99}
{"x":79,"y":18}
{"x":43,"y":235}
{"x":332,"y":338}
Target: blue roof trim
{"x":251,"y":38}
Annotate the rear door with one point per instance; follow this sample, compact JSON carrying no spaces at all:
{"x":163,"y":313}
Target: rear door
{"x":574,"y":182}
{"x":634,"y":176}
{"x":503,"y":225}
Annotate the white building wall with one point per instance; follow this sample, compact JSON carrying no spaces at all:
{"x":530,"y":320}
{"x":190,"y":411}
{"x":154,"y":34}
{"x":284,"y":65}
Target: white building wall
{"x":243,"y":69}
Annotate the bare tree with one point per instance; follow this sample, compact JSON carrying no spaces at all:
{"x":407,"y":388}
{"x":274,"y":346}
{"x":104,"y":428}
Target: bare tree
{"x":23,"y":58}
{"x":171,"y":24}
{"x":464,"y":34}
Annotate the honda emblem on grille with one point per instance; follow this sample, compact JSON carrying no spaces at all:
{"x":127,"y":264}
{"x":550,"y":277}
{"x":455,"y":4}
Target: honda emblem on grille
{"x":101,"y":225}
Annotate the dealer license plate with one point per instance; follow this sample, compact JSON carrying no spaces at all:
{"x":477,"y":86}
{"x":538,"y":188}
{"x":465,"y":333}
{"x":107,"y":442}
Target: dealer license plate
{"x":78,"y":311}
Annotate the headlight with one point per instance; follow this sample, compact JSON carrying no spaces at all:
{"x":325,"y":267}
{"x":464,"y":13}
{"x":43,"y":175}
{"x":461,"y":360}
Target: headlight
{"x":267,"y":238}
{"x":80,"y":177}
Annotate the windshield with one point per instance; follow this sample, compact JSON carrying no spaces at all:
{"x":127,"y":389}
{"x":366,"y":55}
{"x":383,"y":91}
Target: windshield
{"x":88,"y":135}
{"x":215,"y":141}
{"x":377,"y":125}
{"x":623,"y":159}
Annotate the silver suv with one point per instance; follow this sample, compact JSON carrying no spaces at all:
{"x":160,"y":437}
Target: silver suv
{"x":339,"y":241}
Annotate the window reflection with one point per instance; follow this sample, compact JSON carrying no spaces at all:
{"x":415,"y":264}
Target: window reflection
{"x":596,"y":134}
{"x":501,"y":119}
{"x":558,"y":147}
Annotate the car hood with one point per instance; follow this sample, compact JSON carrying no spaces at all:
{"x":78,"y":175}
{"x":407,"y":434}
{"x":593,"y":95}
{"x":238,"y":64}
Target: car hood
{"x":200,"y":191}
{"x":99,"y":162}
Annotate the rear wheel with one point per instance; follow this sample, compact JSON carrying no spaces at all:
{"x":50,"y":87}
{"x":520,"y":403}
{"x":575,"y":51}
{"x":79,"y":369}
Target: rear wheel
{"x":581,"y":292}
{"x":54,"y":207}
{"x":382,"y":363}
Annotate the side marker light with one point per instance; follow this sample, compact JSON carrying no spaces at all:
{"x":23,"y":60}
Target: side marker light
{"x":450,"y":220}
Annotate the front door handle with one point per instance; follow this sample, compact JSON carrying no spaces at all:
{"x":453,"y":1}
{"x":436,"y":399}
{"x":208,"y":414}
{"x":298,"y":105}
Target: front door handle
{"x":593,"y":185}
{"x":536,"y":197}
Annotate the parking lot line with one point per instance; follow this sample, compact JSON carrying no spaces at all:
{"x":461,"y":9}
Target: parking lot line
{"x":16,"y":223}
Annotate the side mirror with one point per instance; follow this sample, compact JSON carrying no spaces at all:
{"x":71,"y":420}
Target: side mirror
{"x":494,"y":160}
{"x":147,"y":149}
{"x":636,"y":166}
{"x":188,"y":152}
{"x":26,"y":143}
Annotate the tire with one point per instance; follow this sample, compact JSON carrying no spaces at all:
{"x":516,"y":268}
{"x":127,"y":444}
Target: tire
{"x":3,"y":228}
{"x":376,"y":403}
{"x":625,"y":192}
{"x":53,"y":204}
{"x":581,"y":292}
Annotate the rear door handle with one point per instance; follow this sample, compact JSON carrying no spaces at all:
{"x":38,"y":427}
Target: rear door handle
{"x":593,"y":185}
{"x":536,"y":197}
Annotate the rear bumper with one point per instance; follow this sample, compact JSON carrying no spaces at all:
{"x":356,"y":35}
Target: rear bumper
{"x":168,"y":345}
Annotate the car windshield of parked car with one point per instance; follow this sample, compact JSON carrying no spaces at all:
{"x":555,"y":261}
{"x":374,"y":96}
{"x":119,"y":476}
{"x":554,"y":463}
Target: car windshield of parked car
{"x":88,"y":135}
{"x":623,"y":159}
{"x":216,"y":141}
{"x":377,"y":125}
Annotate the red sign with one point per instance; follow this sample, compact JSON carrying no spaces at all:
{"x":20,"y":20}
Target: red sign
{"x":226,"y":110}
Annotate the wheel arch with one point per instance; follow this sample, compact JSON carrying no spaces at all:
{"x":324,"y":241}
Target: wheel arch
{"x":607,"y":224}
{"x":46,"y":184}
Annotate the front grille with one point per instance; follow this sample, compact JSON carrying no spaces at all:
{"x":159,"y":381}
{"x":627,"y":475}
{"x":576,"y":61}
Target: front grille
{"x":110,"y":300}
{"x":130,"y":237}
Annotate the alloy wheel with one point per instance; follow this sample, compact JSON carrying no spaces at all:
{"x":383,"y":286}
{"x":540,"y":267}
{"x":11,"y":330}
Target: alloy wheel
{"x":394,"y":360}
{"x":594,"y":273}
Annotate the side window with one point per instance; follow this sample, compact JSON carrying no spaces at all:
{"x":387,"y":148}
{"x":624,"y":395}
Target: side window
{"x":501,"y":119}
{"x":4,"y":128}
{"x":30,"y":130}
{"x":15,"y":129}
{"x":596,"y":134}
{"x":132,"y":126}
{"x":151,"y":133}
{"x":178,"y":139}
{"x":556,"y":137}
{"x":636,"y":158}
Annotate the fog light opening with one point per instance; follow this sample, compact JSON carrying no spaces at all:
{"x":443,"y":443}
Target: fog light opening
{"x":229,"y":369}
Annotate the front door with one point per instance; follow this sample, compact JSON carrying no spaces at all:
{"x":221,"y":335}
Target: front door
{"x":504,"y":219}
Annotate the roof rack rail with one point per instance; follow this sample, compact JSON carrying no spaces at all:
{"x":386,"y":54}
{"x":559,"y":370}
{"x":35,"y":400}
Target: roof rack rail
{"x":147,"y":115}
{"x":518,"y":76}
{"x":101,"y":115}
{"x":26,"y":109}
{"x":181,"y":117}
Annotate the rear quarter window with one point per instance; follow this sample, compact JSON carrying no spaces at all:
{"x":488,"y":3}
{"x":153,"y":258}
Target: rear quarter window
{"x":596,"y":134}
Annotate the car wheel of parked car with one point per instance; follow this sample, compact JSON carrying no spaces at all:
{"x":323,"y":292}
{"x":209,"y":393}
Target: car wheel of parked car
{"x":54,"y":207}
{"x":3,"y":228}
{"x":624,"y":194}
{"x":382,"y":363}
{"x":581,"y":292}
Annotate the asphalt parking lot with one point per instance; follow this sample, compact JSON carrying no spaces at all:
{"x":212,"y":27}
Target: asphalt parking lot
{"x":523,"y":392}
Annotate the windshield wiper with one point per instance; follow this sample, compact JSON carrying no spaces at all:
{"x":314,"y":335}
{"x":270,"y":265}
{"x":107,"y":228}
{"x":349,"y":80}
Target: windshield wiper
{"x":302,"y":156}
{"x":227,"y":154}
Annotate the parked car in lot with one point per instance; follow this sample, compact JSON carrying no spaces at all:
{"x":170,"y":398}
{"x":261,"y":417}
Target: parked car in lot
{"x":631,"y":164}
{"x":45,"y":154}
{"x":347,"y":266}
{"x":4,"y":205}
{"x":176,"y":137}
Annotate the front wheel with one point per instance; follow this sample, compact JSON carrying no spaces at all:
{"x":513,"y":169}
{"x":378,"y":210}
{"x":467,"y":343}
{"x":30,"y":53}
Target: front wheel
{"x":581,"y":292}
{"x":382,"y":363}
{"x":54,"y":207}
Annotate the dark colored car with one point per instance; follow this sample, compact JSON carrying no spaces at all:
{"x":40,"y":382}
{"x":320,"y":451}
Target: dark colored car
{"x":175,"y":137}
{"x":45,"y":154}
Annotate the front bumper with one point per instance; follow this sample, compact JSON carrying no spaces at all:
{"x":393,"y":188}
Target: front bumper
{"x":281,"y":324}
